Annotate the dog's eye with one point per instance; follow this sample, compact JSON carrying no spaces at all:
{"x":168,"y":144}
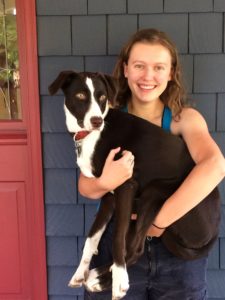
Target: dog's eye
{"x":81,"y":96}
{"x":102,"y":97}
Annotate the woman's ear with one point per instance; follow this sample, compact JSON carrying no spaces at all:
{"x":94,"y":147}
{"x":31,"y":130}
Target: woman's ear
{"x":125,"y":69}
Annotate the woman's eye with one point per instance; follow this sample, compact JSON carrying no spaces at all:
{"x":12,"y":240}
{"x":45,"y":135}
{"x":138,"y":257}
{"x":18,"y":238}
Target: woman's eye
{"x":102,"y":98}
{"x":139,"y":67}
{"x":81,"y":96}
{"x":159,"y":68}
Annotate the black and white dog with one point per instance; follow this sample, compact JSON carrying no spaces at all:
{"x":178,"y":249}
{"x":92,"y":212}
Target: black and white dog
{"x":162,"y":162}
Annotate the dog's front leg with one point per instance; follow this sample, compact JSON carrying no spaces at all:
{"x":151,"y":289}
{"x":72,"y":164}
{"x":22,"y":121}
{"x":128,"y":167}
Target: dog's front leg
{"x":91,"y":245}
{"x":124,"y":196}
{"x":148,"y":205}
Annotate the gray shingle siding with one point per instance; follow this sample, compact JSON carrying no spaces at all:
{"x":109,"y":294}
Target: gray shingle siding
{"x":87,"y":35}
{"x":54,"y":35}
{"x":219,"y":5}
{"x":209,"y":73}
{"x":49,"y":68}
{"x":99,"y":63}
{"x":206,"y":103}
{"x":119,"y":28}
{"x":65,"y":7}
{"x":188,"y":6}
{"x":175,"y":25}
{"x":145,"y":6}
{"x":205,"y":33}
{"x":221,"y":112}
{"x":96,"y":7}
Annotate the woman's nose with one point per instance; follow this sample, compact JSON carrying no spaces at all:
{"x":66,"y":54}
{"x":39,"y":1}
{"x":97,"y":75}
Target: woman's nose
{"x":148,"y":73}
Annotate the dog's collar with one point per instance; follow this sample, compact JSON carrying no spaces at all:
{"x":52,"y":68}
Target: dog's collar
{"x":80,"y":135}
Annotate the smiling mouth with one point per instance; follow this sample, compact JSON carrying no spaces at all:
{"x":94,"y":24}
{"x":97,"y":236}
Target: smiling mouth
{"x":147,"y":87}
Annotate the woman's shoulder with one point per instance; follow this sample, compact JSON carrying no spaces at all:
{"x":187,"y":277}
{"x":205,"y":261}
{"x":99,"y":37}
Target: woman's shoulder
{"x":190,"y":114}
{"x":189,"y":120}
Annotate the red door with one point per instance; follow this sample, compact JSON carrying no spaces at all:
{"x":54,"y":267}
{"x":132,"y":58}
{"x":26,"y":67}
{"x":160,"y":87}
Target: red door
{"x":22,"y":232}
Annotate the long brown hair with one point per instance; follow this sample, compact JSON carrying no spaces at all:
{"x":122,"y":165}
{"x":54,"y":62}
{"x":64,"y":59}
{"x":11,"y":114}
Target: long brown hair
{"x":174,"y":95}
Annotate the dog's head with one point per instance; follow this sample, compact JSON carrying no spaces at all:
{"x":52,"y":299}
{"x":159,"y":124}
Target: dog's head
{"x":87,"y":98}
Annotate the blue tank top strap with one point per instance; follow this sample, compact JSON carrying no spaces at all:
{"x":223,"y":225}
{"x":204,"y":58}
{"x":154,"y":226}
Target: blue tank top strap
{"x":124,"y":109}
{"x":166,"y":118}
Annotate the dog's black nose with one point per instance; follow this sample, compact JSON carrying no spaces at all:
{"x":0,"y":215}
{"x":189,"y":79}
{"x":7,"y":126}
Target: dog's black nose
{"x":96,"y":122}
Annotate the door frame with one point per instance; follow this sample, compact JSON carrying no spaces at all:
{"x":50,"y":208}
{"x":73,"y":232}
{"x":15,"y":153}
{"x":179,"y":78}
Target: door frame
{"x":27,"y":37}
{"x":28,"y":132}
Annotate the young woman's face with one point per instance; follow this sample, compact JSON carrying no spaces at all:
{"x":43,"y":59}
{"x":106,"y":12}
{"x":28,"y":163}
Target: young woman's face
{"x":148,"y":71}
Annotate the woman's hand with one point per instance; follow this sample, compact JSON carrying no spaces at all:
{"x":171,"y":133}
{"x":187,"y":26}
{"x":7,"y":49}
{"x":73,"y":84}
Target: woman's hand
{"x":116,"y":172}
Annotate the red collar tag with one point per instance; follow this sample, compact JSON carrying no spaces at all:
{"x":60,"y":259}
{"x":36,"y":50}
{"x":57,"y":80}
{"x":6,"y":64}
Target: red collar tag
{"x":80,"y":135}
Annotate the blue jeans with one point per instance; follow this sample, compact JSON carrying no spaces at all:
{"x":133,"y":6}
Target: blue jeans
{"x":157,"y":275}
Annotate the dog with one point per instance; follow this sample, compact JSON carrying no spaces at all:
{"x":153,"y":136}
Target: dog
{"x":162,"y":162}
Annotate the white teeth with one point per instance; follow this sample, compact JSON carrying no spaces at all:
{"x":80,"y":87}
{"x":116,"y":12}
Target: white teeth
{"x":147,"y":87}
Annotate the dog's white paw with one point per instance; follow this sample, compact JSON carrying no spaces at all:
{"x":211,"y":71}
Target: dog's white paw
{"x":92,"y":283}
{"x":79,"y":277}
{"x":120,"y":282}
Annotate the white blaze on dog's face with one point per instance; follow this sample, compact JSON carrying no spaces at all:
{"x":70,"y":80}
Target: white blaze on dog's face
{"x":95,"y":108}
{"x":86,"y":104}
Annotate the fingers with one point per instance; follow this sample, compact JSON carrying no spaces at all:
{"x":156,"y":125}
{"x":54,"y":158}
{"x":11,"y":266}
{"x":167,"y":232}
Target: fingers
{"x":125,"y":163}
{"x":116,"y":172}
{"x":128,"y":157}
{"x":112,"y":154}
{"x":131,"y":161}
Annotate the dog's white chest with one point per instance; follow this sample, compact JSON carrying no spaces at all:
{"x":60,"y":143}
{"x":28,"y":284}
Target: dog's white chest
{"x":84,"y":158}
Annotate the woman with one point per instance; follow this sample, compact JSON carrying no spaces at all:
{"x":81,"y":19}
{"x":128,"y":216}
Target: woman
{"x":148,"y":71}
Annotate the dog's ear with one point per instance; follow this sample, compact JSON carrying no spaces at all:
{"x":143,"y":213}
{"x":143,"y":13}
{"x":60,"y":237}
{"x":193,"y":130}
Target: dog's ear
{"x":63,"y":79}
{"x":111,"y":85}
